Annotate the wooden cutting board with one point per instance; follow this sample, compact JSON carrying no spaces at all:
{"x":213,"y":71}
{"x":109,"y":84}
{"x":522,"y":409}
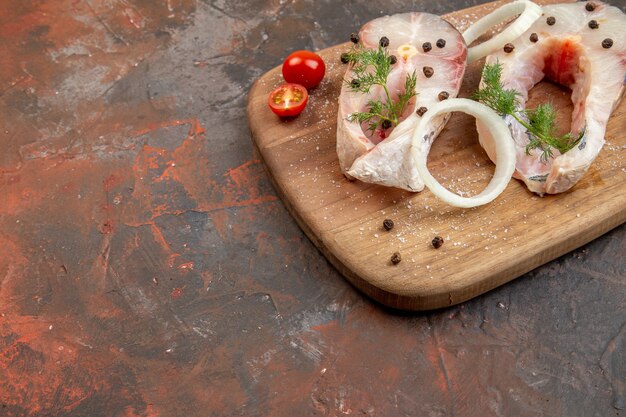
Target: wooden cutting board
{"x":484,"y":247}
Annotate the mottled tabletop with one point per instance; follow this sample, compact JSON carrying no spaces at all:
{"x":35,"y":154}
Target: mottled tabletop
{"x":148,"y":268}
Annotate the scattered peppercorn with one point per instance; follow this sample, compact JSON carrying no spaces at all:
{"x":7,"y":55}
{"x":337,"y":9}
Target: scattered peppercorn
{"x":551,"y":20}
{"x":533,"y":37}
{"x":421,"y":111}
{"x":354,"y":38}
{"x":393,"y":59}
{"x":386,"y":124}
{"x":388,"y":224}
{"x":593,"y":24}
{"x":437,"y":242}
{"x":384,"y":42}
{"x":396,"y":258}
{"x":607,"y":43}
{"x":443,"y":95}
{"x":590,"y":7}
{"x":355,"y":84}
{"x":426,"y":46}
{"x":345,"y":58}
{"x":428,"y":71}
{"x":508,"y":48}
{"x":441,"y":43}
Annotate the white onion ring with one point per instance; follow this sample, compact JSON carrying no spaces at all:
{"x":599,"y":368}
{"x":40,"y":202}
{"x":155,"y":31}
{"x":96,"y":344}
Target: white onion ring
{"x":505,"y":151}
{"x":530,"y":12}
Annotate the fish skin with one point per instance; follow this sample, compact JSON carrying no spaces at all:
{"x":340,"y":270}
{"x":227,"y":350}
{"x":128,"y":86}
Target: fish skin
{"x":569,"y":53}
{"x":388,"y":162}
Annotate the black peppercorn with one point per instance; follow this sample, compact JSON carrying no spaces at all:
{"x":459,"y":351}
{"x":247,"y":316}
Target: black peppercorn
{"x":396,"y":258}
{"x":393,"y":59}
{"x":441,"y":43}
{"x":426,"y":46}
{"x":533,"y":37}
{"x":437,"y":242}
{"x":384,"y":42}
{"x":593,"y":24}
{"x":443,"y":95}
{"x":421,"y":111}
{"x":388,"y":224}
{"x":607,"y":43}
{"x":345,"y":58}
{"x":355,"y":84}
{"x":354,"y":38}
{"x":551,"y":20}
{"x":386,"y":124}
{"x":508,"y":48}
{"x":590,"y":7}
{"x":428,"y":71}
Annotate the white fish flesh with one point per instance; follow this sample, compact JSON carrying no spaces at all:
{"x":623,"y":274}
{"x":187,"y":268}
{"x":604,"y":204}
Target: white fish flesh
{"x":579,"y":45}
{"x":436,"y":51}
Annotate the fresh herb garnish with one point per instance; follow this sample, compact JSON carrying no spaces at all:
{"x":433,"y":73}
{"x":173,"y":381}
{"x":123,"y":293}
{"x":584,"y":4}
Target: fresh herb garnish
{"x":372,"y":67}
{"x":540,"y":122}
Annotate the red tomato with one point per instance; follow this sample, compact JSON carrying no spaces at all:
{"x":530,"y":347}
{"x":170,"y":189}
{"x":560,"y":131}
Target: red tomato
{"x":288,"y":100}
{"x":304,"y":68}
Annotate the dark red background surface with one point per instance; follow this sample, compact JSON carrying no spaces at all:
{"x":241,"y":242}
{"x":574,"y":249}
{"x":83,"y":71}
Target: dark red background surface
{"x":147,"y":267}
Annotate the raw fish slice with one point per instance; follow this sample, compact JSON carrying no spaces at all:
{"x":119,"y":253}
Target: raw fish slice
{"x":385,"y":158}
{"x":569,"y":52}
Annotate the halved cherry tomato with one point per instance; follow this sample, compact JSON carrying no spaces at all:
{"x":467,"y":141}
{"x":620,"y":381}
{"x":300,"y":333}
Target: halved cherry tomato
{"x":305,"y":68}
{"x":288,"y":100}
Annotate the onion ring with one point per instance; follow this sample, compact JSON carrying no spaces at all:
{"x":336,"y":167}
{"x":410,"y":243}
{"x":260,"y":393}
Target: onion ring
{"x":530,"y":12}
{"x":505,"y":152}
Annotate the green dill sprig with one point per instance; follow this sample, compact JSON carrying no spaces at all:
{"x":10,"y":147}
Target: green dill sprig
{"x":542,"y":119}
{"x":372,"y":67}
{"x":493,"y":93}
{"x":539,"y":122}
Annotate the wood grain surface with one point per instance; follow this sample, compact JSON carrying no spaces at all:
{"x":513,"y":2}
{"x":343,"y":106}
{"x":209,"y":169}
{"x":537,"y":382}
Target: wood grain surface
{"x":484,"y":247}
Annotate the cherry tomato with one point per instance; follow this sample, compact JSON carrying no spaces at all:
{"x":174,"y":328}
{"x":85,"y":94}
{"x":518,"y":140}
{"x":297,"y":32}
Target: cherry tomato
{"x":304,"y":68}
{"x":288,"y":100}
